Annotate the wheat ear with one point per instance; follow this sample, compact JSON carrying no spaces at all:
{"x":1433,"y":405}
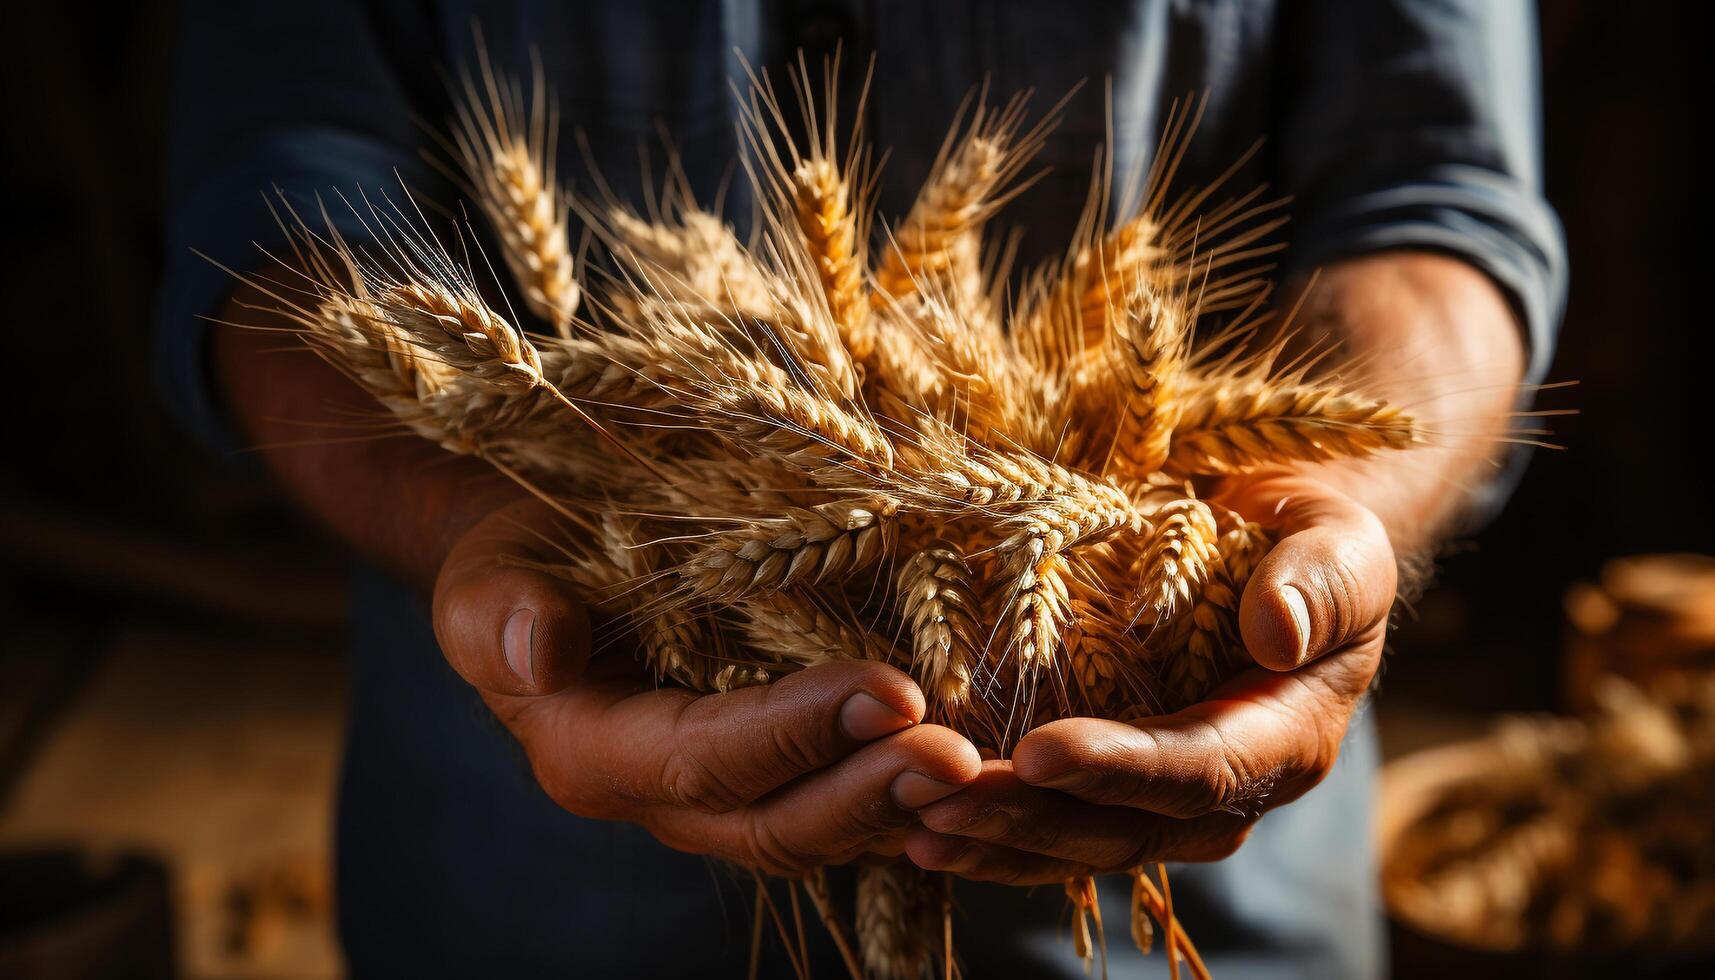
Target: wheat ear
{"x":822,"y":204}
{"x":797,"y":627}
{"x":1148,"y":351}
{"x":1175,"y":564}
{"x":898,"y":920}
{"x":1230,"y":425}
{"x":938,"y":468}
{"x":763,"y":409}
{"x":803,"y":546}
{"x":1094,"y":660}
{"x":939,"y":238}
{"x":1033,"y":591}
{"x":938,"y":600}
{"x":689,"y":258}
{"x":507,"y":155}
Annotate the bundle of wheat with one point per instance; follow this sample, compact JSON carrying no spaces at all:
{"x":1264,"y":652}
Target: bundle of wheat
{"x":891,"y":459}
{"x":1585,"y":834}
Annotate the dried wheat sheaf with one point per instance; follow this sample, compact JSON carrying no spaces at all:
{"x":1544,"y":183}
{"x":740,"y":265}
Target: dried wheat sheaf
{"x":842,"y":440}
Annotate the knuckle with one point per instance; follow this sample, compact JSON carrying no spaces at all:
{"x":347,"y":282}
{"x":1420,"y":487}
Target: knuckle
{"x":692,"y":783}
{"x":1222,"y":782}
{"x":1145,"y":847}
{"x":773,"y":852}
{"x":1043,"y":836}
{"x":1004,"y":871}
{"x":692,"y":776}
{"x":795,"y":740}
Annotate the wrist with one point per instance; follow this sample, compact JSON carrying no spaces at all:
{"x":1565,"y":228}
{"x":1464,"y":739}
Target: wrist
{"x":398,"y":500}
{"x":1436,"y":336}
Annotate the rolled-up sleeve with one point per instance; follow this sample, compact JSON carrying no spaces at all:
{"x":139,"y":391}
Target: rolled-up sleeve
{"x":296,"y":96}
{"x":1416,"y":124}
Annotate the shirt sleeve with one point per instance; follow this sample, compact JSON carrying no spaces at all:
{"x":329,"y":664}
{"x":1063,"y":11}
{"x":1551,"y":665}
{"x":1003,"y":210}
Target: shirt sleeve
{"x":298,"y":96}
{"x":1416,"y":124}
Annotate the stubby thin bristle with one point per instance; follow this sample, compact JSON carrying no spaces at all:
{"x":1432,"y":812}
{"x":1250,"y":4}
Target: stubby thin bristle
{"x":506,"y":153}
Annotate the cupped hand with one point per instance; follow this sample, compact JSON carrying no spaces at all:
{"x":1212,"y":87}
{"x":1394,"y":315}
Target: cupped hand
{"x":816,"y":768}
{"x":1085,"y":795}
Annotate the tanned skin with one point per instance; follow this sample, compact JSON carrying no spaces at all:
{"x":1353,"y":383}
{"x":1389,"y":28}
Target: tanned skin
{"x":835,"y":761}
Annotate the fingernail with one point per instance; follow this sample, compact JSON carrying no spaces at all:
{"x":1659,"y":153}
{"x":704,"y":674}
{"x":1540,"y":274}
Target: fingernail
{"x":914,"y":791}
{"x":518,"y":641}
{"x":1300,"y":611}
{"x":864,"y":718}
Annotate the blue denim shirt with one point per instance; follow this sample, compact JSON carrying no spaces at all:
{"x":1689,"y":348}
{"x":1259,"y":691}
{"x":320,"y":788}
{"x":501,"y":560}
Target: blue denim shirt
{"x":1389,"y":123}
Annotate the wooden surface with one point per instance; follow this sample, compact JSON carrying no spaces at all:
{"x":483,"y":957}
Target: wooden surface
{"x":217,"y":754}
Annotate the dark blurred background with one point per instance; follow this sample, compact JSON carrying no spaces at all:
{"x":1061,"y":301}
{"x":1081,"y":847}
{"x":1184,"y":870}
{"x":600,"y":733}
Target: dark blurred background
{"x":169,"y":629}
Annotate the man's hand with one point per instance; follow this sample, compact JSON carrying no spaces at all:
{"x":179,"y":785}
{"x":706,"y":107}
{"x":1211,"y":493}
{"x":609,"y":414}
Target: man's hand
{"x":1085,"y":794}
{"x":813,"y":769}
{"x":1430,"y":333}
{"x":816,"y":768}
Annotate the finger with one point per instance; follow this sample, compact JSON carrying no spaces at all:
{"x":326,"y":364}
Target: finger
{"x":1328,"y":584}
{"x":876,"y":790}
{"x":713,"y":753}
{"x":888,"y":845}
{"x":1262,"y":739}
{"x":505,"y":629}
{"x":985,"y":862}
{"x":1001,"y":809}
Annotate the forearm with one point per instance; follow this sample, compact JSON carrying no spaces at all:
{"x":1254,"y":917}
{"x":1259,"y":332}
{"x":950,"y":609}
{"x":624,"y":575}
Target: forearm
{"x":397,"y":499}
{"x":1437,"y":337}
